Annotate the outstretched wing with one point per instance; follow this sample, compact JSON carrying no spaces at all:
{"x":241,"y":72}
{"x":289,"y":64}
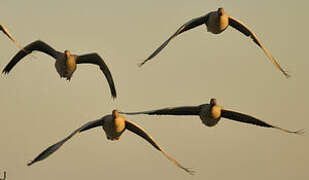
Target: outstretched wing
{"x":187,"y":26}
{"x":51,"y":149}
{"x":246,"y":31}
{"x":8,"y":34}
{"x":142,"y":133}
{"x":94,"y":58}
{"x":34,"y":46}
{"x":252,"y":120}
{"x":184,"y":110}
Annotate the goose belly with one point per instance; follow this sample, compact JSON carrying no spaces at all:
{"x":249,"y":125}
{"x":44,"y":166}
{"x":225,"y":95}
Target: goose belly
{"x":215,"y":25}
{"x":209,"y":121}
{"x":114,"y":129}
{"x":210,"y":117}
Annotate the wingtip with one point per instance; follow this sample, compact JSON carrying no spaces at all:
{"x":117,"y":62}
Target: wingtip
{"x":114,"y":97}
{"x":142,"y":63}
{"x":286,"y":74}
{"x":30,"y":163}
{"x":300,"y":132}
{"x":191,"y":172}
{"x":5,"y":72}
{"x":113,"y":93}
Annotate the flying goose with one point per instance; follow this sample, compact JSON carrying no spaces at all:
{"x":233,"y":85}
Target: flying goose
{"x":210,"y":115}
{"x":216,"y":22}
{"x":4,"y":176}
{"x":6,"y":32}
{"x":113,"y":125}
{"x":65,"y":62}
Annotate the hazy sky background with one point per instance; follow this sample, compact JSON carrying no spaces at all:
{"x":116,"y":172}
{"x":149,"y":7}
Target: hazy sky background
{"x":38,"y":108}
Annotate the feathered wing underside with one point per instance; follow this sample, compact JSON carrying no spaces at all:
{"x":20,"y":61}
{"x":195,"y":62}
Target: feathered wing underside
{"x":8,"y":34}
{"x":187,"y":26}
{"x":184,"y":110}
{"x":252,"y":120}
{"x":51,"y":149}
{"x":246,"y":31}
{"x":133,"y":127}
{"x":94,"y":58}
{"x":34,"y":46}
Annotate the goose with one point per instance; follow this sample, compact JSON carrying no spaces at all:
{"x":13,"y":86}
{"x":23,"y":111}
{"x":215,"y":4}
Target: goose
{"x":210,"y":114}
{"x":114,"y":125}
{"x":4,"y":176}
{"x":216,"y":22}
{"x":8,"y":34}
{"x":65,"y":62}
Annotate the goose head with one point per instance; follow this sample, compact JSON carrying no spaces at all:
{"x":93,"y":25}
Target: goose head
{"x":115,"y":114}
{"x":213,"y":101}
{"x":220,"y":11}
{"x":67,"y":53}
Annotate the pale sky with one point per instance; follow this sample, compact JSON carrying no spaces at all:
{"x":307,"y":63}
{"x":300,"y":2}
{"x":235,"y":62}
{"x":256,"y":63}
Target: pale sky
{"x":38,"y":108}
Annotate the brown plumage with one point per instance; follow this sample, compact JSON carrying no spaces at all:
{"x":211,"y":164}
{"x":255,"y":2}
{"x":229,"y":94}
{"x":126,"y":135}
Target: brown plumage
{"x":65,"y":62}
{"x":113,"y":125}
{"x":216,"y":22}
{"x":210,"y":114}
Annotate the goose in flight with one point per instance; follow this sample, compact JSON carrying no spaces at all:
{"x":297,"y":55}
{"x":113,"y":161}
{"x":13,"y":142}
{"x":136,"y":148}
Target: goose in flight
{"x":6,"y":32}
{"x":210,"y":114}
{"x":65,"y":62}
{"x":216,"y":22}
{"x":4,"y":176}
{"x":113,"y":125}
